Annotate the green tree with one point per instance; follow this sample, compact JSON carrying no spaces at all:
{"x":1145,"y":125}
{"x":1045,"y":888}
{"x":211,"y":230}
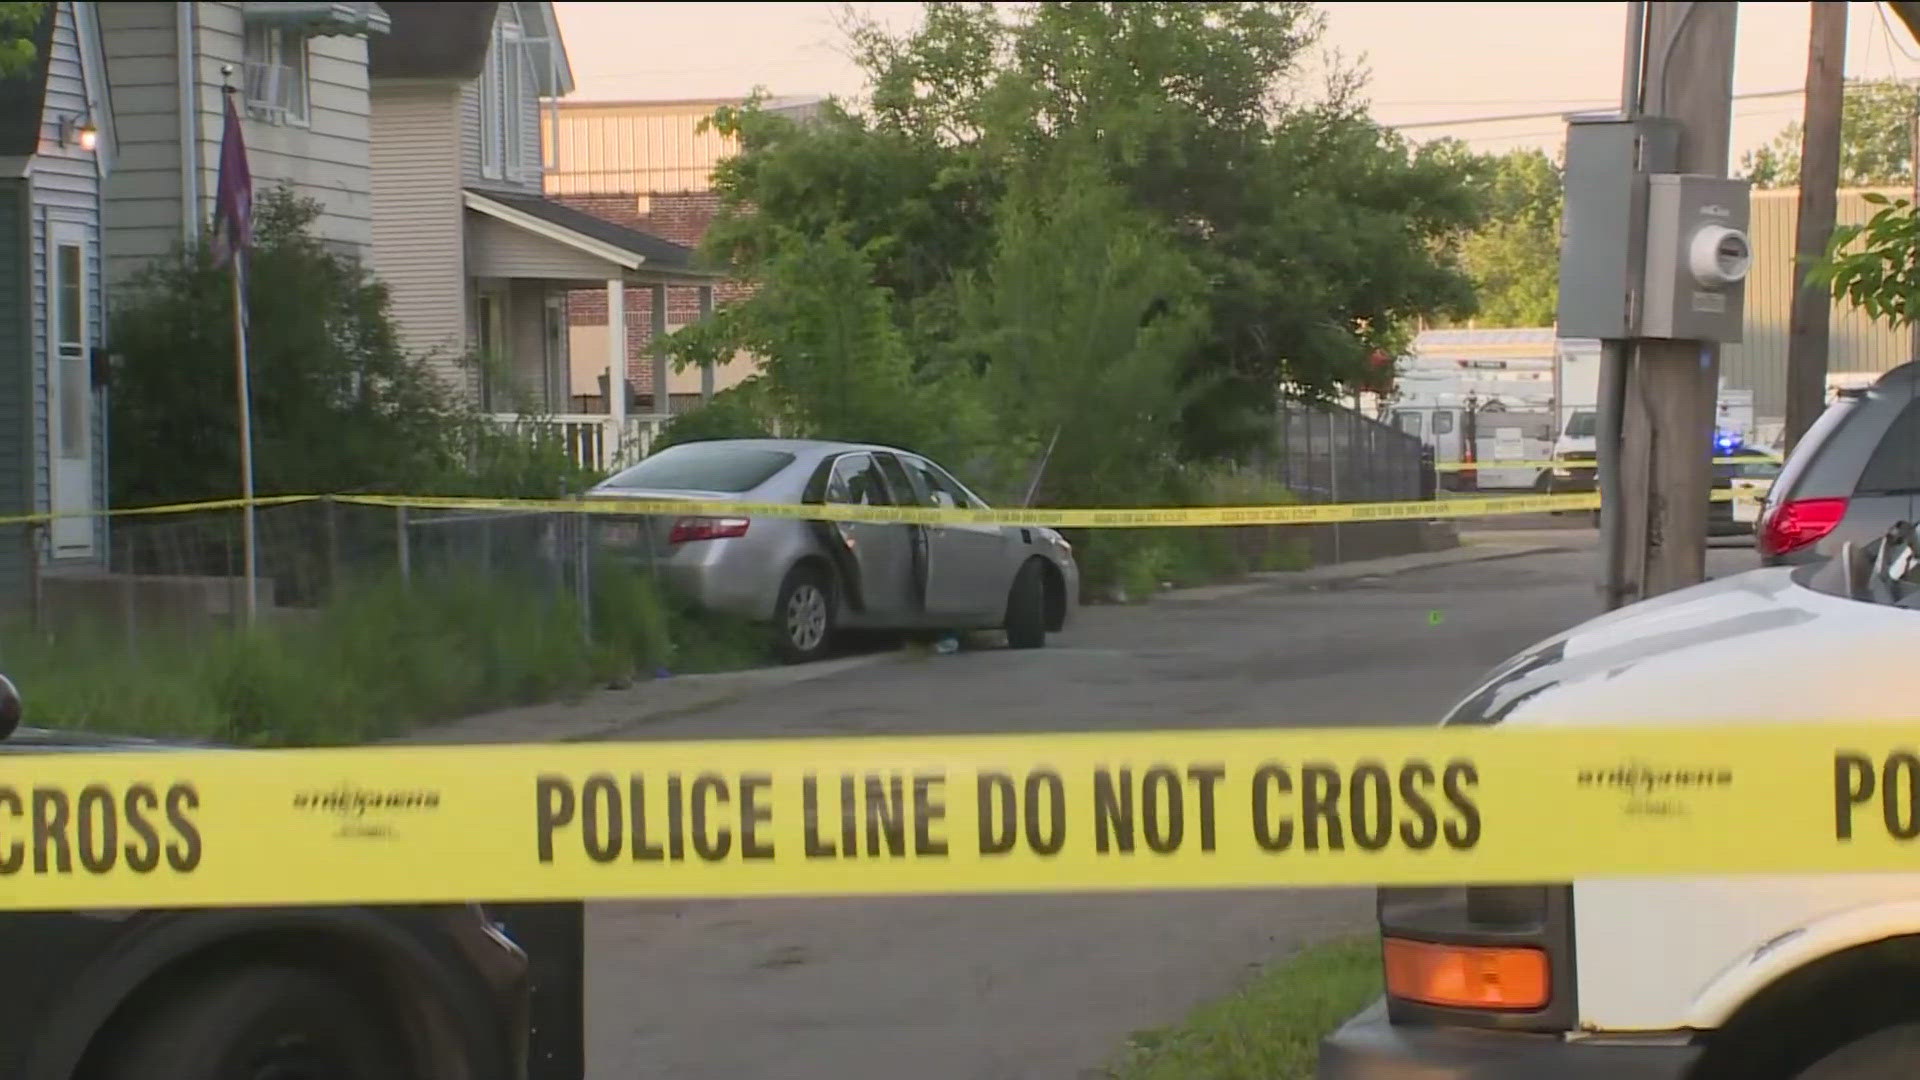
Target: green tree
{"x":20,"y":24}
{"x":1514,"y":258}
{"x":1320,"y":235}
{"x":1083,"y":319}
{"x":1876,"y":266}
{"x":338,"y":405}
{"x":1876,"y":117}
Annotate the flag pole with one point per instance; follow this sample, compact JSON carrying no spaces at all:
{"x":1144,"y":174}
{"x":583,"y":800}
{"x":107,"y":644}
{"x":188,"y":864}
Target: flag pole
{"x":248,"y":547}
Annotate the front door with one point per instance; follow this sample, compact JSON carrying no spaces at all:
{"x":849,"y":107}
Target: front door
{"x":969,"y":566}
{"x":70,"y":390}
{"x":881,"y":554}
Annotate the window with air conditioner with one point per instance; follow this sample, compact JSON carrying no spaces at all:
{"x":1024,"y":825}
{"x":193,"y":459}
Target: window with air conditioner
{"x":276,"y":63}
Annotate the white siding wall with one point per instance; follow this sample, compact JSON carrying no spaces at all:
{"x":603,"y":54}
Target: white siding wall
{"x":326,"y":160}
{"x":143,"y":193}
{"x":66,"y":187}
{"x":417,"y":241}
{"x":496,"y":249}
{"x":524,"y":174}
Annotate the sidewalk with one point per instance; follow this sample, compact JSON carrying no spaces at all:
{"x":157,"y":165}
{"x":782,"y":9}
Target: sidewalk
{"x":603,"y":713}
{"x":1474,"y":547}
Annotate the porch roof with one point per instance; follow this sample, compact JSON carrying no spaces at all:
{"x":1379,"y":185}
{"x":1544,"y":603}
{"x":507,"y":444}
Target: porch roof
{"x":628,"y":253}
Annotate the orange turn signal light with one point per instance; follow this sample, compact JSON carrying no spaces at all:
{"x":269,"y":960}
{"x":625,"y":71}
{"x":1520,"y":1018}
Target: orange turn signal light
{"x":1466,"y":976}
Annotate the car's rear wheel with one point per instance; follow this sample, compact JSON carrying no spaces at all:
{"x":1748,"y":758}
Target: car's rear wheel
{"x":803,"y":615}
{"x":261,"y":1022}
{"x":1026,"y":622}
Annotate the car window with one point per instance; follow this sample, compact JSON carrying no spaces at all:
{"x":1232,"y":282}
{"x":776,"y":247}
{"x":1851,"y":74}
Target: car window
{"x":1895,"y":465}
{"x":900,"y":484}
{"x":1581,"y":426}
{"x":714,"y":466}
{"x":1443,"y":422}
{"x":856,"y":481}
{"x":1407,"y":421}
{"x":933,"y":478}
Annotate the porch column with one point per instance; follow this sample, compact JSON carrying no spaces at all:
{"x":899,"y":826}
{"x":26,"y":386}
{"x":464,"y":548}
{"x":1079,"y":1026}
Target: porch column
{"x":661,"y":399}
{"x":706,"y":368}
{"x":616,"y":371}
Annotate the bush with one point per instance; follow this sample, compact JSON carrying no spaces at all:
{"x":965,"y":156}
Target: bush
{"x":384,"y":656}
{"x":1132,"y":564}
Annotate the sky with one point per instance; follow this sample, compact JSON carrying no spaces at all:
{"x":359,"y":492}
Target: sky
{"x":1428,"y":62}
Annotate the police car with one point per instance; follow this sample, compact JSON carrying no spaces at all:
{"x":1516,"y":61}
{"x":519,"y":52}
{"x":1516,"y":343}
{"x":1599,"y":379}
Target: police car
{"x":1760,"y":978}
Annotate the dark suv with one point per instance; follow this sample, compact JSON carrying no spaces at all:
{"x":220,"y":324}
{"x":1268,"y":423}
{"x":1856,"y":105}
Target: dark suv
{"x":1853,"y":475}
{"x":420,"y":992}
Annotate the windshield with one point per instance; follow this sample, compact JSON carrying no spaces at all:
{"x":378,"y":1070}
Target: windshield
{"x":1581,"y":425}
{"x":715,"y":466}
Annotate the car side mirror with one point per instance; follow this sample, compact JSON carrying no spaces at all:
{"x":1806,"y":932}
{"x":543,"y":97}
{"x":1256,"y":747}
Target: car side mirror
{"x":10,"y":707}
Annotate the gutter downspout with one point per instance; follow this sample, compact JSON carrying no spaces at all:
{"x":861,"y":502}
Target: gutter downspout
{"x":186,"y":23}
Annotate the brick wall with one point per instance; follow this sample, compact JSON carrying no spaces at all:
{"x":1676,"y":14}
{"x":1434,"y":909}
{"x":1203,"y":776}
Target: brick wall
{"x":682,"y":217}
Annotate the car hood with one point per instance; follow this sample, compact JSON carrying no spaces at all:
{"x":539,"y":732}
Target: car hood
{"x":1757,"y":647}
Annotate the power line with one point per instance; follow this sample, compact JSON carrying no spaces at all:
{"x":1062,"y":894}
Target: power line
{"x":1560,"y":114}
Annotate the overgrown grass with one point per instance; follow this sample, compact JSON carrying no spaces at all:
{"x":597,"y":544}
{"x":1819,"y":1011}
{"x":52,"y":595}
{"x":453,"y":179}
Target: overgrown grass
{"x":1268,"y":1030}
{"x":382,"y":656}
{"x":1133,"y":564}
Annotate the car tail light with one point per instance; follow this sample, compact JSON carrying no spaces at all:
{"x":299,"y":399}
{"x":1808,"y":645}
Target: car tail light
{"x":1466,"y":976}
{"x":1793,"y":525}
{"x":688,"y":529}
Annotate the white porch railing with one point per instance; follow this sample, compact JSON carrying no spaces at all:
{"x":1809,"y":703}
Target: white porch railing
{"x":592,"y":439}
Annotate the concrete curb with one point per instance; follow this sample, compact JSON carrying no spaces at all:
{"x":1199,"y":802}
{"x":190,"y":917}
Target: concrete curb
{"x":604,"y":714}
{"x":1339,"y":573}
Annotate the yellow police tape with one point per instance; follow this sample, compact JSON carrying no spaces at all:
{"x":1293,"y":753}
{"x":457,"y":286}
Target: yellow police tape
{"x":971,"y":814}
{"x":1586,"y":464}
{"x":1064,"y":518}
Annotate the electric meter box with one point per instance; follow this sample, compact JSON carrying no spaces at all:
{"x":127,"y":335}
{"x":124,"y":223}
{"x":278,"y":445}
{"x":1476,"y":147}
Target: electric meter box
{"x":1698,"y":256}
{"x":1604,"y":225}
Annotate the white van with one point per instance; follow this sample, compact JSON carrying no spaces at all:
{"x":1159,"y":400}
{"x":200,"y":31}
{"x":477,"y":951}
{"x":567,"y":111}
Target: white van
{"x":1755,"y":978}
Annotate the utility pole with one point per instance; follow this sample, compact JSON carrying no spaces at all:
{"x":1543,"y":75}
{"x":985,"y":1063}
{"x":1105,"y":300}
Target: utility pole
{"x":1668,"y":415}
{"x":1807,"y":334}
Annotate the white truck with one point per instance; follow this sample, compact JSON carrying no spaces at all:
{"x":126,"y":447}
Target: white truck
{"x":1766,"y":977}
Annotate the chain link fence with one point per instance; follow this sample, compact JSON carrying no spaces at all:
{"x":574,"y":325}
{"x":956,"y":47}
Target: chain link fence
{"x":1325,"y":453}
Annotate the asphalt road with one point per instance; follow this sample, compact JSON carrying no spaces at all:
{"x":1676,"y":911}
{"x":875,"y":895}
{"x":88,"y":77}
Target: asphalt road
{"x":978,"y":988}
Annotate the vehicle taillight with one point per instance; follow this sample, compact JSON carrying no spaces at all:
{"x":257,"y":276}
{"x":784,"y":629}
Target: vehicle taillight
{"x":1793,"y":525}
{"x":687,"y":529}
{"x":1466,"y":976}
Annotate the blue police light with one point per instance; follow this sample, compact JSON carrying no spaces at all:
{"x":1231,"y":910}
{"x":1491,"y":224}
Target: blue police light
{"x":1727,"y":443}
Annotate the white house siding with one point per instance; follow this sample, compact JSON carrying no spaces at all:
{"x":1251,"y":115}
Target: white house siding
{"x":66,"y":187}
{"x":143,"y":193}
{"x":326,"y":160}
{"x":417,"y":216}
{"x":496,"y":249}
{"x":526,"y":173}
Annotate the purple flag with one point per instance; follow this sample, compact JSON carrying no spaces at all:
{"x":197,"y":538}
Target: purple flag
{"x":233,"y":202}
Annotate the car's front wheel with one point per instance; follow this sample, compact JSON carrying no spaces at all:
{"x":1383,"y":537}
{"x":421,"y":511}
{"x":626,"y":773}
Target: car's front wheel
{"x":803,"y":615}
{"x":1026,"y":622}
{"x":1892,"y":1053}
{"x":261,"y":1022}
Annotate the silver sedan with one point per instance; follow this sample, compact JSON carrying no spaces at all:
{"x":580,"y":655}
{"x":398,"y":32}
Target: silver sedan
{"x":812,"y":578}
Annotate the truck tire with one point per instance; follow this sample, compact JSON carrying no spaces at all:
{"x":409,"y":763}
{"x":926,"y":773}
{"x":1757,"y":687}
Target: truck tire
{"x":1026,"y":622}
{"x":1892,"y":1053}
{"x":259,"y":1022}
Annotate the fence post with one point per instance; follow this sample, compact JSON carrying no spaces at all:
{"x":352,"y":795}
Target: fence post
{"x":401,"y":537}
{"x":1333,"y":474}
{"x":583,"y":575}
{"x":332,"y":511}
{"x":36,"y":587}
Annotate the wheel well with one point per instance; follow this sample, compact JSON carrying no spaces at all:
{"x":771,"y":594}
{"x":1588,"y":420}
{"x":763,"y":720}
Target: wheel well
{"x":1056,"y":586}
{"x":429,"y":1034}
{"x":1815,"y":1010}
